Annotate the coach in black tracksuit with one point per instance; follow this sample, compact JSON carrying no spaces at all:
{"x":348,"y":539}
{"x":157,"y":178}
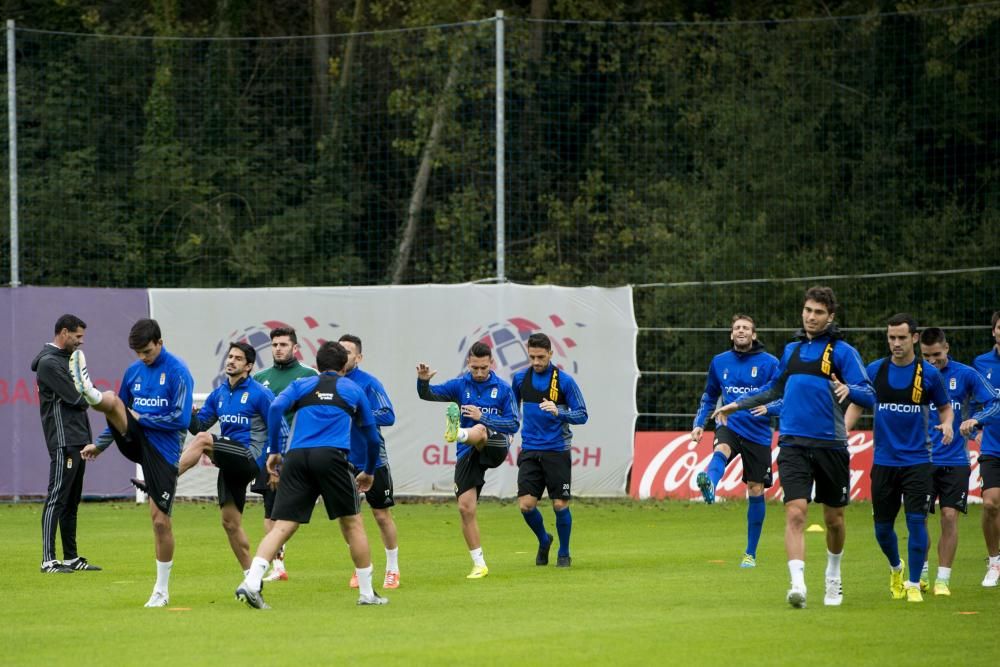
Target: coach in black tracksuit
{"x":67,"y":431}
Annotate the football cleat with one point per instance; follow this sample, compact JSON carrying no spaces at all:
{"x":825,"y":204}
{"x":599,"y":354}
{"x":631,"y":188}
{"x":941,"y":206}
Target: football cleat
{"x":748,"y":561}
{"x":478,"y":572}
{"x":373,"y":599}
{"x":707,"y":488}
{"x":80,"y":563}
{"x":542,"y":557}
{"x":797,"y":597}
{"x":925,"y":583}
{"x":834,"y":592}
{"x":896,"y":589}
{"x":992,"y":575}
{"x":564,"y":561}
{"x":913,"y":593}
{"x":253,"y":599}
{"x":941,"y":588}
{"x":451,"y":429}
{"x":78,"y":371}
{"x":354,"y":580}
{"x":276,"y":575}
{"x":139,"y":484}
{"x":391,"y":580}
{"x":56,"y":567}
{"x":157,"y":599}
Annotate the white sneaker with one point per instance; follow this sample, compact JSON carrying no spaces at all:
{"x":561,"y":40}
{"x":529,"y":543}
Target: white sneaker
{"x":797,"y":597}
{"x":158,"y":599}
{"x":834,"y":593}
{"x":992,"y":575}
{"x":373,"y":599}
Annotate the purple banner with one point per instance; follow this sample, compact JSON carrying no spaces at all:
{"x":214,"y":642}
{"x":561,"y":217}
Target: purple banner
{"x":31,"y":315}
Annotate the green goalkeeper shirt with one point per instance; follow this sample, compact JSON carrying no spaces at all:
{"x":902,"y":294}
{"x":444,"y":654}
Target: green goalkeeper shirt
{"x":279,"y":376}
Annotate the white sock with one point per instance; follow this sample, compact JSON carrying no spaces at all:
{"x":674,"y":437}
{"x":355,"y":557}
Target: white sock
{"x":833,"y":564}
{"x":477,"y":556}
{"x":797,"y":570}
{"x":924,"y":570}
{"x":163,"y":576}
{"x":463,"y":435}
{"x":256,"y":573}
{"x":392,"y":560}
{"x":92,"y":395}
{"x":995,"y":560}
{"x":944,"y":574}
{"x":898,"y":568}
{"x":365,"y":580}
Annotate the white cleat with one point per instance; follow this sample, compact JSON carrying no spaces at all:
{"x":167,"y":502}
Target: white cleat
{"x":834,"y":593}
{"x":992,"y":575}
{"x":78,"y":371}
{"x":158,"y":599}
{"x":373,"y":599}
{"x":797,"y":597}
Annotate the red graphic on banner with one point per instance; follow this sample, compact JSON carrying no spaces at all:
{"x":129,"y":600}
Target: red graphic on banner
{"x":666,"y":465}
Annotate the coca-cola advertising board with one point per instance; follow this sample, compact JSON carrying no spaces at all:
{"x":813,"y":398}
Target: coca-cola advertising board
{"x":666,"y":465}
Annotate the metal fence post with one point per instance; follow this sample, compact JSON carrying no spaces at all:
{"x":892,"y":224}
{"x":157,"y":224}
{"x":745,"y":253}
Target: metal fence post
{"x":15,"y":277}
{"x":501,"y":260}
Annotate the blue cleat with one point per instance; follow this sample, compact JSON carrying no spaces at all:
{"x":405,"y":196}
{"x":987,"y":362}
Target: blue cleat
{"x":707,"y":488}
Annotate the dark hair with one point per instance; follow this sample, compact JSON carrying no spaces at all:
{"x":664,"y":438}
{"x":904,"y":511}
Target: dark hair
{"x":285,"y":331}
{"x":351,"y":338}
{"x":539,"y":340}
{"x":70,"y":323}
{"x":331,"y":356}
{"x":741,"y":316}
{"x":996,"y":318}
{"x":246,"y":349}
{"x":823,"y":295}
{"x":480,"y":349}
{"x":933,"y":336}
{"x":903,"y":318}
{"x":144,"y":332}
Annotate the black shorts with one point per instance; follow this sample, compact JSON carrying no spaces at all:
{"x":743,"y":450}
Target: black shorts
{"x":380,"y":497}
{"x":541,"y":470}
{"x":909,"y":486}
{"x":237,"y":468}
{"x":470,"y":473}
{"x":756,"y":457}
{"x":951,"y":487}
{"x":307,"y":474}
{"x":260,"y":486}
{"x":828,"y":467}
{"x":160,"y":476}
{"x":989,"y":470}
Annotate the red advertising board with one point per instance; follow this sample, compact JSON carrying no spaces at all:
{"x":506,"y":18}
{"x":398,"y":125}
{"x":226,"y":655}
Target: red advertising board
{"x":666,"y":465}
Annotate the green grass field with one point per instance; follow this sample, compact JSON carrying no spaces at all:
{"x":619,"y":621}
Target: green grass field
{"x":651,"y":583}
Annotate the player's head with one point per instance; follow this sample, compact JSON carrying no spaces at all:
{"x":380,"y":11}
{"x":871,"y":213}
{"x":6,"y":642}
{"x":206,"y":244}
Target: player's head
{"x":818,"y":309}
{"x":902,"y":334}
{"x":284,"y":345}
{"x":934,"y":347}
{"x":146,"y":340}
{"x":744,"y":331}
{"x":331,"y":357}
{"x":479,"y":361}
{"x":352,"y":344}
{"x":69,"y":330}
{"x":240,"y":359}
{"x":539,"y":351}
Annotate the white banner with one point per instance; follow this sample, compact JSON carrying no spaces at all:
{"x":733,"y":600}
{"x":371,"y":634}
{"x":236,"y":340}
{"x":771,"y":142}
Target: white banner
{"x":593,"y":331}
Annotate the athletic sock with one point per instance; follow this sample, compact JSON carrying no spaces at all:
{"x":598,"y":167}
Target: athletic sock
{"x":755,"y":522}
{"x":716,"y":467}
{"x":885,"y":535}
{"x":536,"y":522}
{"x":943,"y":575}
{"x":92,"y":395}
{"x":797,"y":570}
{"x":365,"y":580}
{"x":833,"y":564}
{"x":163,"y":575}
{"x":256,"y":573}
{"x":392,"y":560}
{"x":463,"y":435}
{"x":916,"y":544}
{"x":925,"y":570}
{"x":477,"y":557}
{"x":995,"y":560}
{"x":564,"y":526}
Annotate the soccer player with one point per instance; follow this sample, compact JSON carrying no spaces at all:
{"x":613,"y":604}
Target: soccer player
{"x":326,"y":409}
{"x":551,"y":402}
{"x":147,"y":420}
{"x":989,"y":461}
{"x":813,"y":439}
{"x":905,"y":387}
{"x":482,"y":427}
{"x":951,"y":462}
{"x":286,"y":369}
{"x":731,"y":375}
{"x":241,"y":407}
{"x":379,"y":496}
{"x":67,"y":431}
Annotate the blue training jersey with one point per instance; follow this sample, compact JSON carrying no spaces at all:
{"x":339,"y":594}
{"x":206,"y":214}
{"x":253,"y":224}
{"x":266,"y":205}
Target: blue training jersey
{"x":810,"y":411}
{"x":493,"y":396}
{"x":326,"y":407}
{"x":161,"y":395}
{"x":989,"y":365}
{"x":733,"y":375}
{"x":541,"y":430}
{"x":902,"y":410}
{"x":378,"y":400}
{"x":241,"y":412}
{"x":966,"y":387}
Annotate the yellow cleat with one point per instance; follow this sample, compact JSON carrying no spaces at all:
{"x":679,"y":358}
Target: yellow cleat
{"x":941,"y":588}
{"x":896,"y":582}
{"x":451,"y":430}
{"x":925,"y":584}
{"x":478,"y":572}
{"x":913,"y":593}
